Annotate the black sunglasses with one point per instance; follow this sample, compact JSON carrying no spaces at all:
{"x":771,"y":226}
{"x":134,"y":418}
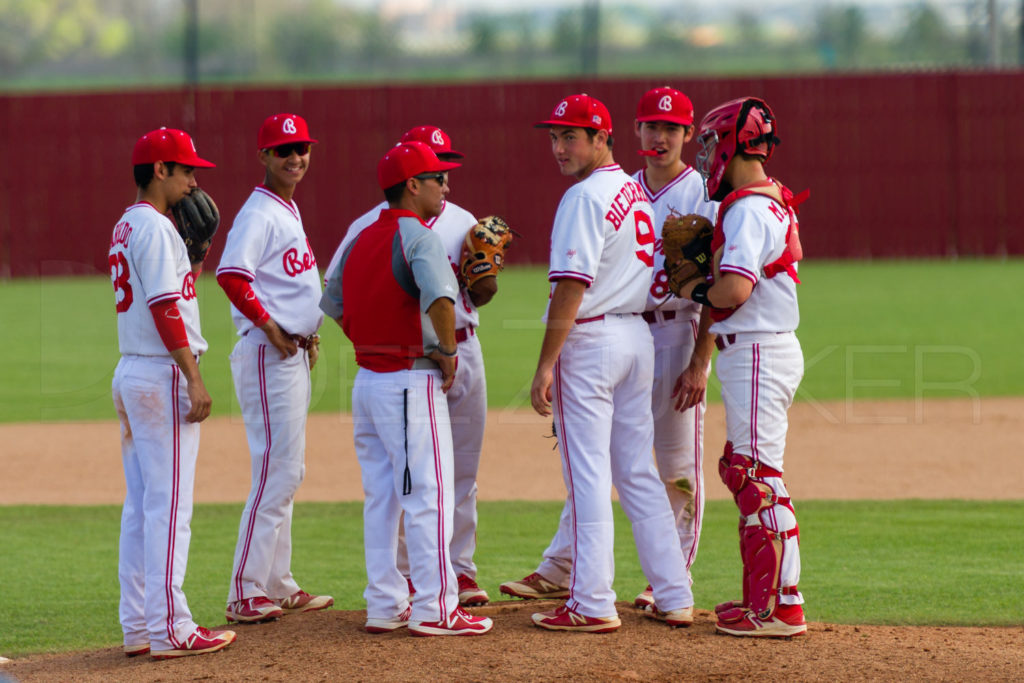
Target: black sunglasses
{"x":441,"y":178}
{"x":285,"y":151}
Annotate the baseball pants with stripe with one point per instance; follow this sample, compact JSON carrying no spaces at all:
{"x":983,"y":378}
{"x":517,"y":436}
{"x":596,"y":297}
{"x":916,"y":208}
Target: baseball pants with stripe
{"x":602,"y":411}
{"x":678,"y":451}
{"x":760,"y":374}
{"x":158,"y":450}
{"x":403,"y":441}
{"x":274,"y":395}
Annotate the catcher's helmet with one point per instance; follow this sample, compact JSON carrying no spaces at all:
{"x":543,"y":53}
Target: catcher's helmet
{"x":744,"y":125}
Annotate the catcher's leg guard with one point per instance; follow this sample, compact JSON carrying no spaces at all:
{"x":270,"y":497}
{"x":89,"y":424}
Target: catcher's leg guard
{"x":767,"y":521}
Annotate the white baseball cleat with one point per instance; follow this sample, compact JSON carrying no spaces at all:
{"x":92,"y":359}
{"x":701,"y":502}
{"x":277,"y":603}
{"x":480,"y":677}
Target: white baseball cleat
{"x":460,"y":623}
{"x":387,"y":625}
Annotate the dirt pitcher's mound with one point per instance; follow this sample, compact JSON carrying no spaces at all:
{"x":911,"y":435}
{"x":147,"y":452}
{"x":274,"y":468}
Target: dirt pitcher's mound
{"x":840,"y":450}
{"x":332,"y":646}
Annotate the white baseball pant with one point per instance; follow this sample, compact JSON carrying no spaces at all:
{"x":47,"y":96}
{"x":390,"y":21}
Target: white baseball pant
{"x":678,"y":451}
{"x":760,"y":373}
{"x":274,"y":395}
{"x":467,"y":409}
{"x":602,"y":408}
{"x":159,"y":451}
{"x":404,"y":445}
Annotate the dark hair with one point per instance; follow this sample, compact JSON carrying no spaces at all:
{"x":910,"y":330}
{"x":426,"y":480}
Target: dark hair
{"x":393,"y":194}
{"x":144,"y":173}
{"x":592,"y":133}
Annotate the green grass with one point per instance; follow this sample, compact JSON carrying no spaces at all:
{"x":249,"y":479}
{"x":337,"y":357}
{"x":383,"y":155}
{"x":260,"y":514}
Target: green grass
{"x":891,"y":329}
{"x":907,"y":562}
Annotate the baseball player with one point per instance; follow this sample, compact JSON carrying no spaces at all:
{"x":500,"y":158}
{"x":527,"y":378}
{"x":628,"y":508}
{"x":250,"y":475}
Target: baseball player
{"x":682,"y":348}
{"x":760,"y":364}
{"x":269,"y":274}
{"x":596,"y":369}
{"x":393,"y":293}
{"x":467,"y":399}
{"x":160,"y":400}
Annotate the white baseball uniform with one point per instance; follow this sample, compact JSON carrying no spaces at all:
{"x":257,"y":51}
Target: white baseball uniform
{"x":267,"y":245}
{"x":678,"y":437}
{"x":603,"y":236}
{"x":760,"y":362}
{"x":401,"y":429}
{"x":149,"y":264}
{"x":467,"y":398}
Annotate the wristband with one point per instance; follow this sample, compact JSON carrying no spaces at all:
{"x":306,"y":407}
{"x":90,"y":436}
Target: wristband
{"x":700,"y":294}
{"x":455,"y":351}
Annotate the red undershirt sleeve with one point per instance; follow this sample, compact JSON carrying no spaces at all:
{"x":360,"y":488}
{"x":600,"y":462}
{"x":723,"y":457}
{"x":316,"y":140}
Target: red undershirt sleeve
{"x":241,"y":294}
{"x":169,"y":324}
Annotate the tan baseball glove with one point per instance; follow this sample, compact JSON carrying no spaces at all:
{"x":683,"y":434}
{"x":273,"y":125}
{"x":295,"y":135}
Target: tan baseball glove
{"x":686,"y":241}
{"x":483,"y":252}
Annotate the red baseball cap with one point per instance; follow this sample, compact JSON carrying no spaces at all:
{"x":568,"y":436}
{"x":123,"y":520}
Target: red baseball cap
{"x":434,"y":137}
{"x":168,"y":144}
{"x":280,"y":129}
{"x":665,"y":104}
{"x":407,"y":159}
{"x":579,"y":111}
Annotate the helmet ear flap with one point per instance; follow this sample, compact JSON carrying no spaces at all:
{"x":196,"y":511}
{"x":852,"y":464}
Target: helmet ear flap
{"x":755,"y":129}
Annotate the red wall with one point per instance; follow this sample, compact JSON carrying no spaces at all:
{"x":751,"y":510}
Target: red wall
{"x":898,"y":165}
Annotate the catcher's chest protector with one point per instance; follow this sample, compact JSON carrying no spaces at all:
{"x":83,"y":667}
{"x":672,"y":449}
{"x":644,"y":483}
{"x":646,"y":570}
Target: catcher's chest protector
{"x":788,"y":207}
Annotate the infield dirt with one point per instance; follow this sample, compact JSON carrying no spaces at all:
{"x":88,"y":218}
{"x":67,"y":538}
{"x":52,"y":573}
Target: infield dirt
{"x":844,"y":450}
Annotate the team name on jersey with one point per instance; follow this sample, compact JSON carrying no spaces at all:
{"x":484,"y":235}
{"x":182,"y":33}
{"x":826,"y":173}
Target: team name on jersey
{"x":122,"y":231}
{"x":295,"y":265}
{"x":630,"y":194}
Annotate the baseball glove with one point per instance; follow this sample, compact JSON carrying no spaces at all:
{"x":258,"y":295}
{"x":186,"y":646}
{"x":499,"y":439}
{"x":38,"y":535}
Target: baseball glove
{"x":483,"y":252}
{"x":686,"y":241}
{"x":197,"y":218}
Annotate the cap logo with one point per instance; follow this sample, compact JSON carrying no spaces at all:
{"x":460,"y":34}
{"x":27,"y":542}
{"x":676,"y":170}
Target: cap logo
{"x":560,"y":109}
{"x":437,"y":138}
{"x":289,"y":126}
{"x":596,"y":119}
{"x":665,"y":103}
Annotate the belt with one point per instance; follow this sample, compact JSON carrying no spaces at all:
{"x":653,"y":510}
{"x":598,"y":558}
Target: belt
{"x":724,"y":341}
{"x":652,"y":317}
{"x":464,"y":333}
{"x":306,"y":343}
{"x":582,"y":321}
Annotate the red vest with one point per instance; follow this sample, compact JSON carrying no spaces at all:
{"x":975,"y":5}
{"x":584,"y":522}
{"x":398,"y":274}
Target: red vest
{"x":380,"y":316}
{"x":792,"y":253}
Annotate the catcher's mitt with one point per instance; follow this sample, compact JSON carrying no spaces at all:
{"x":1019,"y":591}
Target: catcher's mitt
{"x":197,"y":218}
{"x":483,"y":252}
{"x":686,"y":241}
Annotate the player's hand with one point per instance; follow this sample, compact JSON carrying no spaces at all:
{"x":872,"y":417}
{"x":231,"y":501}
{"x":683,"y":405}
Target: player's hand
{"x":314,"y":354}
{"x":200,"y":401}
{"x":281,"y":341}
{"x":449,"y":366}
{"x":540,"y":391}
{"x":691,"y":387}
